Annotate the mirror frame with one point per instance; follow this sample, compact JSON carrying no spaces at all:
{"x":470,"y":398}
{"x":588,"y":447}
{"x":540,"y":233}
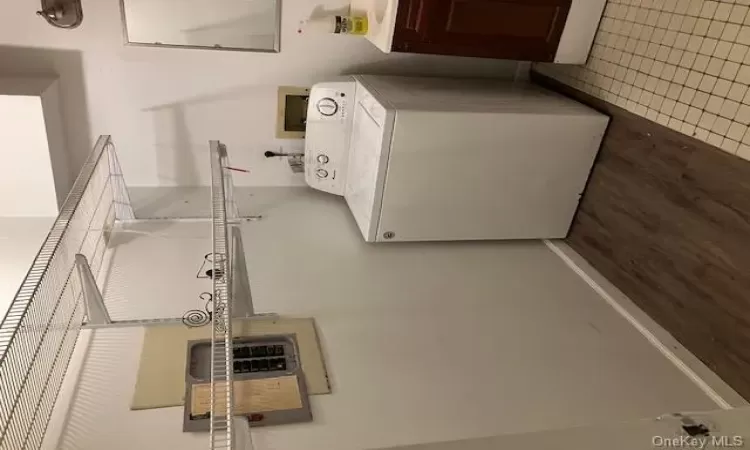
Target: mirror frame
{"x":276,"y":49}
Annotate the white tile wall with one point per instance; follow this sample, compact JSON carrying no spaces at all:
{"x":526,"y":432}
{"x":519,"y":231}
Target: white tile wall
{"x":682,"y":63}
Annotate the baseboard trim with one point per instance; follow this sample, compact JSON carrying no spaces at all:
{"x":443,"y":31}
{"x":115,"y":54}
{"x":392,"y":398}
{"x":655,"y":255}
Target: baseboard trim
{"x":704,"y":378}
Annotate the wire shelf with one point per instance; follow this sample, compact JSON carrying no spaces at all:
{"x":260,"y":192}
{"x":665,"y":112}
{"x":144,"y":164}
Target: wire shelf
{"x":38,"y":334}
{"x":222,"y":395}
{"x":39,"y":331}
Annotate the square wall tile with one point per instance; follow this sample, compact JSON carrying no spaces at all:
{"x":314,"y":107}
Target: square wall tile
{"x":714,"y":104}
{"x":693,"y":115}
{"x":736,"y":131}
{"x":684,"y":64}
{"x":722,"y":49}
{"x":729,"y":70}
{"x":721,"y":88}
{"x":738,"y":14}
{"x":700,"y":99}
{"x":737,"y":92}
{"x":707,"y":83}
{"x":729,"y":145}
{"x":737,"y":52}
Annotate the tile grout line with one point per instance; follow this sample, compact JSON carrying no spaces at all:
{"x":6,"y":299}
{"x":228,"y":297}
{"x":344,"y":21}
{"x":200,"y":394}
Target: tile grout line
{"x":682,"y":86}
{"x":631,"y":67}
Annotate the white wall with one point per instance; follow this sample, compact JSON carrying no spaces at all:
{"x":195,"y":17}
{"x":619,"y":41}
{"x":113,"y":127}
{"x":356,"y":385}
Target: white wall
{"x":423,"y":342}
{"x":54,"y":123}
{"x":20,"y":240}
{"x":163,"y":105}
{"x":48,"y":90}
{"x":27,"y":184}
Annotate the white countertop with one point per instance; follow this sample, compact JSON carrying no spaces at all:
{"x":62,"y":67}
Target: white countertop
{"x":380,"y":32}
{"x":575,"y":42}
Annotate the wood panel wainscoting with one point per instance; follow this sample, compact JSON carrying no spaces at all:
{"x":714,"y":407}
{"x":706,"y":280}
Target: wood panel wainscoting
{"x":666,"y":218}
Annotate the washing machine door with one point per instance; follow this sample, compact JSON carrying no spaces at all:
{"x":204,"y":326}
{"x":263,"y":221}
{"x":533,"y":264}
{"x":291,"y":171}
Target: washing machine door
{"x":372,"y":126}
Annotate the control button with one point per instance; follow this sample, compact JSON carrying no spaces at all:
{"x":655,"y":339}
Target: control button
{"x":321,"y":173}
{"x":277,"y":364}
{"x":327,"y":106}
{"x":322,"y":159}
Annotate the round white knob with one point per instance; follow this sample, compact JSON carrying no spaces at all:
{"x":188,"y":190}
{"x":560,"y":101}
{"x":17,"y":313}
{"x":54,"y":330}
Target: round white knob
{"x":327,"y":106}
{"x":321,"y":173}
{"x":322,"y":159}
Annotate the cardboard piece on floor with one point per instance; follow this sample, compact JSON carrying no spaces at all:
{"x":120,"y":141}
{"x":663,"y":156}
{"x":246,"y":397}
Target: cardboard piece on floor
{"x":160,"y":381}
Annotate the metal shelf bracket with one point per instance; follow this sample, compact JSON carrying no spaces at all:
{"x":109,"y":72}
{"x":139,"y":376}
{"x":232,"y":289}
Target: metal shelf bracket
{"x":96,"y":311}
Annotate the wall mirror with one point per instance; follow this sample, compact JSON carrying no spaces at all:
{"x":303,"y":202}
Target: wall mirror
{"x":244,"y":25}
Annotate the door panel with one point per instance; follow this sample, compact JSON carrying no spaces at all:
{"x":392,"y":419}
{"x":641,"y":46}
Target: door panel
{"x":512,"y":29}
{"x":491,"y":19}
{"x":412,"y":21}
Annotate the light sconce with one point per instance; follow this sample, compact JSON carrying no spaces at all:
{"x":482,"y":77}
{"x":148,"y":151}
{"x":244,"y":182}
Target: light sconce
{"x":62,"y":13}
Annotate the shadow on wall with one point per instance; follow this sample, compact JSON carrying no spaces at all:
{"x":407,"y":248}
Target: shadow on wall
{"x":182,"y":131}
{"x":321,"y":12}
{"x":244,"y":118}
{"x":176,"y":164}
{"x":437,"y":66}
{"x":67,"y":66}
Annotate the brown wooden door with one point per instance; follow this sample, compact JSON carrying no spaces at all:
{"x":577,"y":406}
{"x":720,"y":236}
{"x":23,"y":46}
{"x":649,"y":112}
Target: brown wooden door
{"x":509,"y":29}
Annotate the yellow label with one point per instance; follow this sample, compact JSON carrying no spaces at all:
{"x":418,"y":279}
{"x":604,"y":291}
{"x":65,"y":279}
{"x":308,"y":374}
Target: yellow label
{"x":359,"y":25}
{"x":251,"y":396}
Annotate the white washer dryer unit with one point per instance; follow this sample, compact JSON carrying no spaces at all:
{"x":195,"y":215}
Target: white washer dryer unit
{"x":436,"y":159}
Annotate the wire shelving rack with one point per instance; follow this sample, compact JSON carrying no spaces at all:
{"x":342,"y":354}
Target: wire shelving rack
{"x":222,"y":401}
{"x":59,"y":297}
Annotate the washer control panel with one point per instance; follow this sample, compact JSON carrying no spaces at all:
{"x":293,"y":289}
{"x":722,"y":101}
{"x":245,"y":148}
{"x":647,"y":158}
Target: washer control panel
{"x":327,"y":135}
